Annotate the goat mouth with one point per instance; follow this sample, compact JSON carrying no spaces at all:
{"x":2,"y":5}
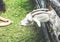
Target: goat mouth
{"x":22,"y":24}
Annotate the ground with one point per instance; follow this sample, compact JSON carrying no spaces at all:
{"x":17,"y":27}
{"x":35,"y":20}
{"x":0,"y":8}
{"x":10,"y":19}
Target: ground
{"x":16,"y":10}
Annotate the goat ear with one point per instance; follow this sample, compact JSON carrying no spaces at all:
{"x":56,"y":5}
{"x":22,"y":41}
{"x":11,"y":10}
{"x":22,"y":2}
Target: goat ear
{"x":38,"y":22}
{"x":29,"y":17}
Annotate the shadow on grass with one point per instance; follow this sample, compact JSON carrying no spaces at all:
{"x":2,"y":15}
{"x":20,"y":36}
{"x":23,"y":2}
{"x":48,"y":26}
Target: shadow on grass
{"x":38,"y":36}
{"x":2,"y":6}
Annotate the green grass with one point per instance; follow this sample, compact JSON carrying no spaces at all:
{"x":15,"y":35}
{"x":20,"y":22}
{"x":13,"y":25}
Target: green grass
{"x":16,"y":10}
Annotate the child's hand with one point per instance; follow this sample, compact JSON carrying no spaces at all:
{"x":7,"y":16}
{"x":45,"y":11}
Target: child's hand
{"x":8,"y":21}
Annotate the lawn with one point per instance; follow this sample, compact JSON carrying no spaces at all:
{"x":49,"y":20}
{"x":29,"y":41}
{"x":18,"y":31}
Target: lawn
{"x":16,"y":10}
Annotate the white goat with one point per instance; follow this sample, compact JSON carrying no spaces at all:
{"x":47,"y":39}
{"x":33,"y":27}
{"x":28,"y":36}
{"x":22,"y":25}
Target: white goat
{"x":35,"y":16}
{"x":39,"y":16}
